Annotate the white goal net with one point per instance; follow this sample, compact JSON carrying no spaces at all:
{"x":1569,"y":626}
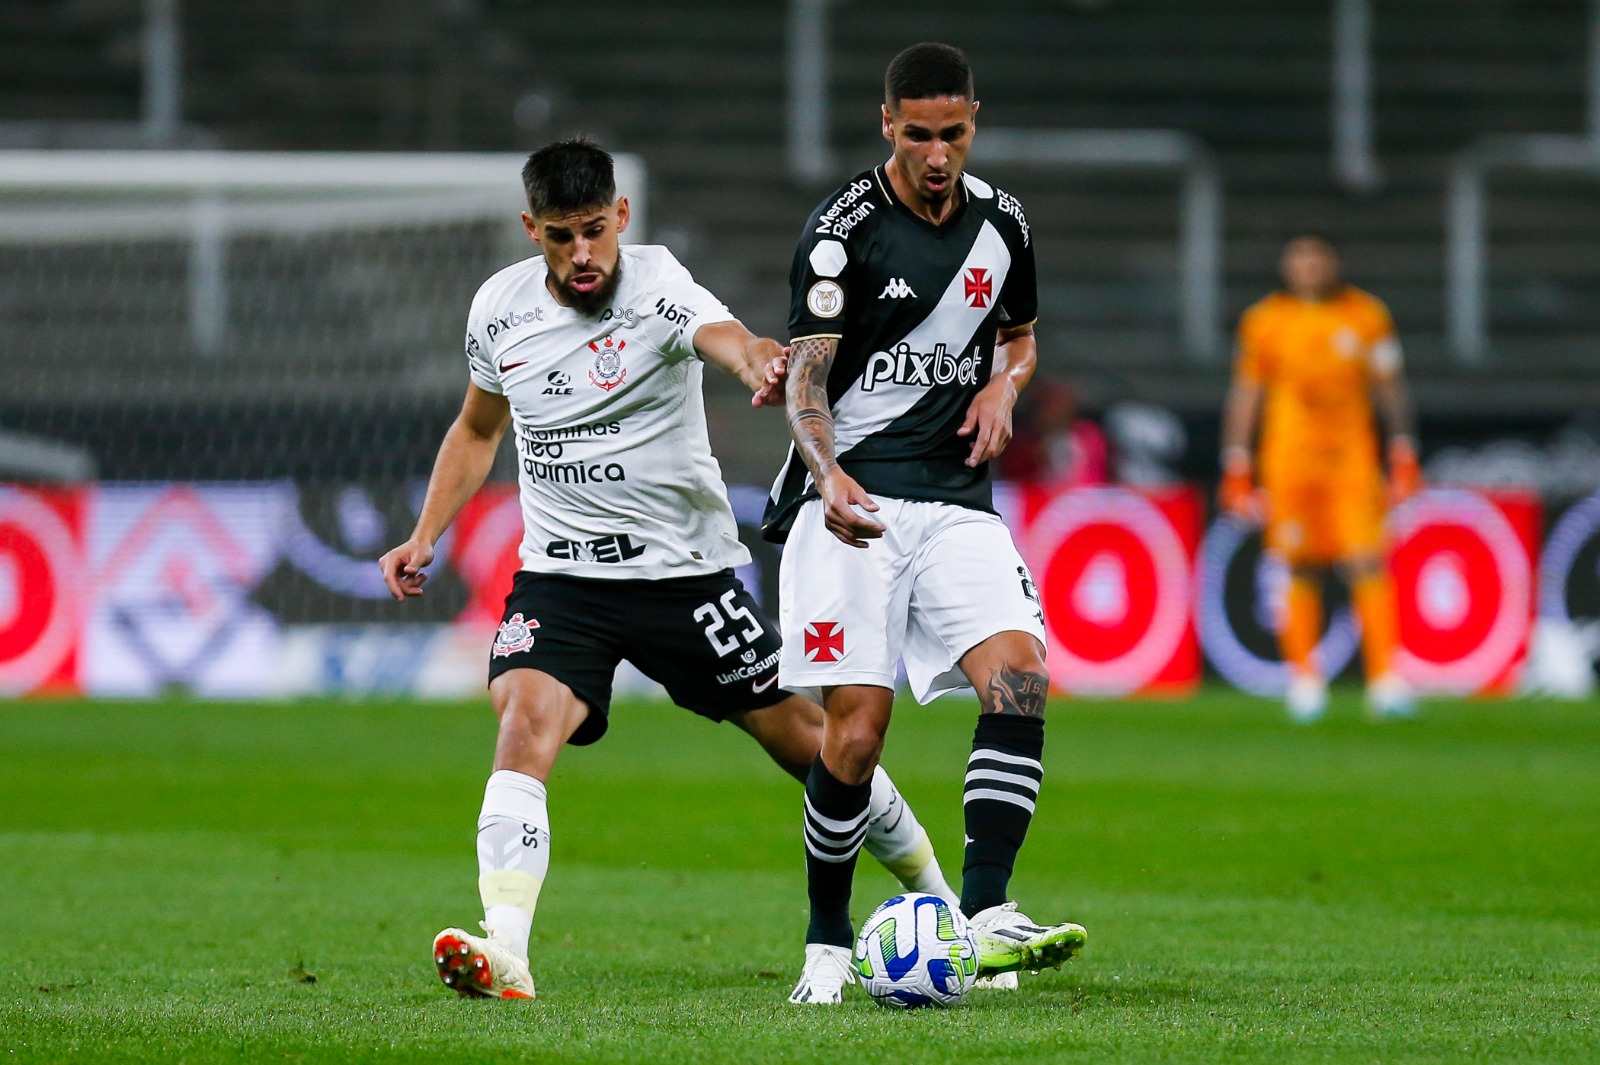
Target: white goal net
{"x":223,"y":379}
{"x":191,"y":280}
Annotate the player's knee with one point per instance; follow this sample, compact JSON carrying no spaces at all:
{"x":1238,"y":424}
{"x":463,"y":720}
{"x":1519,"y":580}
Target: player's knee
{"x":851,"y":749}
{"x":1020,"y":685}
{"x":852,"y":759}
{"x":536,"y":707}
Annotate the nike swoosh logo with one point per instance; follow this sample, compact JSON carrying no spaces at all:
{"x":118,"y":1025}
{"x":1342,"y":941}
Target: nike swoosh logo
{"x":504,"y":367}
{"x":760,"y":687}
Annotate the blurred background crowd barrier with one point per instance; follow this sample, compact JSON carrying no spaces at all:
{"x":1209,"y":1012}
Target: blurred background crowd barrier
{"x":269,"y":589}
{"x":237,"y":245}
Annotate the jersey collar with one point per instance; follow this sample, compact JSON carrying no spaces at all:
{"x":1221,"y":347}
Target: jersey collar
{"x":895,"y":202}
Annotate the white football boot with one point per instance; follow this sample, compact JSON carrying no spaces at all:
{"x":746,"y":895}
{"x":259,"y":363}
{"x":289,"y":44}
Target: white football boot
{"x":1307,"y":698}
{"x":996,"y":982}
{"x":1009,"y":942}
{"x":1390,"y":697}
{"x":827,"y":971}
{"x":479,"y":967}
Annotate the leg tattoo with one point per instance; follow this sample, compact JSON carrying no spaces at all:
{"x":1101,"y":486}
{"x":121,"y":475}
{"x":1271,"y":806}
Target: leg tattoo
{"x":1016,"y":691}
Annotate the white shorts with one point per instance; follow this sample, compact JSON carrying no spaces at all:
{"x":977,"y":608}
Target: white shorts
{"x":941,"y":581}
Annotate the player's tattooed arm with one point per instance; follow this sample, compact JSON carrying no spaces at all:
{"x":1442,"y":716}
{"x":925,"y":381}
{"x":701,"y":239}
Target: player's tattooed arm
{"x":1016,"y":691}
{"x":811,"y":423}
{"x":810,"y":419}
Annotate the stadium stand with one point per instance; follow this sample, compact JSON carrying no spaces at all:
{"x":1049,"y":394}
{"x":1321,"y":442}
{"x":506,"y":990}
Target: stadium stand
{"x":698,"y":89}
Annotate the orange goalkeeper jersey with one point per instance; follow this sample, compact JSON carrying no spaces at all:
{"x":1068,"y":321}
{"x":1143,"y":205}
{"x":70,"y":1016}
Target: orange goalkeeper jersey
{"x":1315,"y":363}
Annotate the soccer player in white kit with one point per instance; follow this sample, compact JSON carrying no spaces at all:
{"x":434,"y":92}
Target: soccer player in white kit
{"x":591,"y":354}
{"x":914,"y":298}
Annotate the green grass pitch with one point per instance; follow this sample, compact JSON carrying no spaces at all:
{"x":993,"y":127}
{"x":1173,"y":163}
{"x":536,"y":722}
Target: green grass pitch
{"x":192,"y":882}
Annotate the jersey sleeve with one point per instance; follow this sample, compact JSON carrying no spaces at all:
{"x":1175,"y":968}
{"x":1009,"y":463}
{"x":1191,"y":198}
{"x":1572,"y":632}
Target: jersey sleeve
{"x":688,"y":305}
{"x":818,"y":284}
{"x":1019,"y":296}
{"x":1384,"y":354}
{"x":480,"y":363}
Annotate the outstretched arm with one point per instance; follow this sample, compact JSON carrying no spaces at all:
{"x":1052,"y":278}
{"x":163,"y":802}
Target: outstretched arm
{"x":746,"y":356}
{"x":811,"y":422}
{"x":1016,"y":354}
{"x":460,"y":469}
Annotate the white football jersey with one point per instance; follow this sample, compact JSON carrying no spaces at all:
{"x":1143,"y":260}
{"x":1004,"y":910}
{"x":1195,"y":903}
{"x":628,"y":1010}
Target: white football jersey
{"x":615,"y":469}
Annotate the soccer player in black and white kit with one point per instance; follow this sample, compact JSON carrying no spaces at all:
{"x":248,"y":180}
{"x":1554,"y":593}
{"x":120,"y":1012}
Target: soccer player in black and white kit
{"x":591,"y":354}
{"x":914,"y":299}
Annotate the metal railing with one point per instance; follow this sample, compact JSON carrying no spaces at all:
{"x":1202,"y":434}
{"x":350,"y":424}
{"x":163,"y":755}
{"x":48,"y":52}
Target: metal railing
{"x":812,"y":161}
{"x":1467,"y":223}
{"x":212,"y":198}
{"x":1200,"y":203}
{"x":1355,"y":162}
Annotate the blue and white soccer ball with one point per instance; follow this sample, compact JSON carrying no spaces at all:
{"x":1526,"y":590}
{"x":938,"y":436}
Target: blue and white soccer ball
{"x":916,"y":950}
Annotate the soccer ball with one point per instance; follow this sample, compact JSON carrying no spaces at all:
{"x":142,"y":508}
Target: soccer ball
{"x":916,"y":950}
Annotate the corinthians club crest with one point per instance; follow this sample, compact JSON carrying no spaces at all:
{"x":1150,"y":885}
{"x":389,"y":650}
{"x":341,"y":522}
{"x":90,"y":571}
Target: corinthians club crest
{"x":514,"y":636}
{"x":608,"y":370}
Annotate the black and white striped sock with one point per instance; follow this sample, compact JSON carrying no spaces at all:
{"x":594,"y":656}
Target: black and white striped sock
{"x":1002,"y":786}
{"x":835,"y":826}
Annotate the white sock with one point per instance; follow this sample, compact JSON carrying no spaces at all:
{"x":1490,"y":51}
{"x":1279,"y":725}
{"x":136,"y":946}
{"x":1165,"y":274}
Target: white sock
{"x":513,"y":855}
{"x":899,"y":842}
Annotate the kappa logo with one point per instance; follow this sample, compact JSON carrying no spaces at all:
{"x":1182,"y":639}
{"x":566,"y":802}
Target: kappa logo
{"x":824,"y":641}
{"x":979,"y":287}
{"x":515,"y":635}
{"x":608,"y":370}
{"x":558,"y":384}
{"x":896,"y":289}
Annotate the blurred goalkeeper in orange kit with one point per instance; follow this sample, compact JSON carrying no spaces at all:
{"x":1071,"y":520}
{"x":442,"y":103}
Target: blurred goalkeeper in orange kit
{"x":1315,"y":363}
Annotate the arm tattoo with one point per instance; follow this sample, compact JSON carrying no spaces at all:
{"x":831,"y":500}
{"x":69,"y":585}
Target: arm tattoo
{"x":1016,"y":691}
{"x":809,"y":419}
{"x":809,"y":412}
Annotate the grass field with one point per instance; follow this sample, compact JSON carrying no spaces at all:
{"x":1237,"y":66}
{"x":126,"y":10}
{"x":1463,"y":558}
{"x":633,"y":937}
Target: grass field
{"x":191,"y":882}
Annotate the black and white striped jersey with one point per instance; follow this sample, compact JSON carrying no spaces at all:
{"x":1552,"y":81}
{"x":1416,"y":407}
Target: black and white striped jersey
{"x":915,"y":308}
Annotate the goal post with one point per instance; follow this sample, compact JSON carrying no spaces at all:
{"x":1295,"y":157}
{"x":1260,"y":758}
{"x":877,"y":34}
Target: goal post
{"x":145,"y":271}
{"x":223,"y":381}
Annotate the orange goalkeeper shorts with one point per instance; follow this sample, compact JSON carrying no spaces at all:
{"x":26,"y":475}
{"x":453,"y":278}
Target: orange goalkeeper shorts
{"x":1317,"y":521}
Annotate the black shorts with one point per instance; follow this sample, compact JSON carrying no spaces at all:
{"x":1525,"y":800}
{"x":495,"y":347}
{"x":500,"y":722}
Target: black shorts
{"x":704,"y":639}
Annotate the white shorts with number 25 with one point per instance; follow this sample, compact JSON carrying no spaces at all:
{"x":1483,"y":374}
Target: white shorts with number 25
{"x":940,"y":581}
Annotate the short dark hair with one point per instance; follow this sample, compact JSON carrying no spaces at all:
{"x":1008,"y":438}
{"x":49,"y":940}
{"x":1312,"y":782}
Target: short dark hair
{"x":925,"y":71}
{"x":568,"y":176}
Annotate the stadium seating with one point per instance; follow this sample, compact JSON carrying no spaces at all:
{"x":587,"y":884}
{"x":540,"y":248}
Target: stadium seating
{"x":698,"y":89}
